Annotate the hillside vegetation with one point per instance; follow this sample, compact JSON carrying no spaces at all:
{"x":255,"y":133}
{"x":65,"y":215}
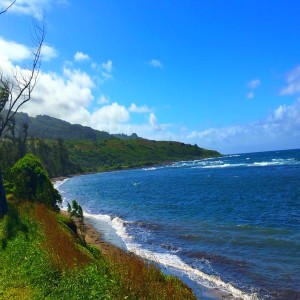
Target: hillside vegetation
{"x":120,"y":154}
{"x":71,"y":149}
{"x":44,"y":254}
{"x":42,"y":258}
{"x":46,"y":127}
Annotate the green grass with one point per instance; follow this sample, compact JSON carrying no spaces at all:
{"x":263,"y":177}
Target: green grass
{"x":40,"y":258}
{"x":123,"y":154}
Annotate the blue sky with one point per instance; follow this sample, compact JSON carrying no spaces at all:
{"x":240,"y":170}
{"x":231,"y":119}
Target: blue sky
{"x":222,"y":74}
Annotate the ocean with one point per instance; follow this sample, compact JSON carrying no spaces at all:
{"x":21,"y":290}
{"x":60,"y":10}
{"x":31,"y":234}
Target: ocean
{"x":228,"y":225}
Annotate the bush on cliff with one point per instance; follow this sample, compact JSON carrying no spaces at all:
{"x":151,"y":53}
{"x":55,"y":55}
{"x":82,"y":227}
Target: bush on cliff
{"x":31,"y":182}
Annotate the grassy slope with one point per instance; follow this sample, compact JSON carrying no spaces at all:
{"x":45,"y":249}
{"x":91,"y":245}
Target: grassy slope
{"x":116,"y":153}
{"x":40,"y":258}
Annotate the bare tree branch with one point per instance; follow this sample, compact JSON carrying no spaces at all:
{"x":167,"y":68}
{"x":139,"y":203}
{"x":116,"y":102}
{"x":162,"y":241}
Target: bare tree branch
{"x":7,"y":8}
{"x":16,"y":90}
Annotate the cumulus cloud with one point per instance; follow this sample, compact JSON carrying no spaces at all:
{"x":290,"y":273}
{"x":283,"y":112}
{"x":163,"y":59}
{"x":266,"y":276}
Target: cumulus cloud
{"x":16,"y":52}
{"x":109,"y":115}
{"x":78,"y":77}
{"x":139,"y":109}
{"x":65,"y":96}
{"x":12,"y":51}
{"x":280,"y":130}
{"x":33,"y":8}
{"x":48,"y":52}
{"x":79,"y":56}
{"x":293,"y":82}
{"x":155,"y":63}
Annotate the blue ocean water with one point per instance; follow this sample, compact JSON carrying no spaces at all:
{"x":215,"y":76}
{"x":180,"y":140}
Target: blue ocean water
{"x":230,"y":223}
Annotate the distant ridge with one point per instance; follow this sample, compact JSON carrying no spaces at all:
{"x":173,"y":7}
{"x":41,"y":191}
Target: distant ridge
{"x":43,"y":126}
{"x":65,"y":148}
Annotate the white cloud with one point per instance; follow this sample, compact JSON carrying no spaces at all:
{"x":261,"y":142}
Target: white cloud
{"x":105,"y":69}
{"x":155,"y":63}
{"x":62,"y":96}
{"x":12,"y":51}
{"x":109,"y":115}
{"x":280,"y":130}
{"x":16,"y":52}
{"x":293,"y":82}
{"x":153,"y":122}
{"x":107,"y":66}
{"x":139,"y":109}
{"x":33,"y":8}
{"x":250,"y":95}
{"x":48,"y":52}
{"x":78,"y":77}
{"x":103,"y":100}
{"x":79,"y":56}
{"x":253,"y":84}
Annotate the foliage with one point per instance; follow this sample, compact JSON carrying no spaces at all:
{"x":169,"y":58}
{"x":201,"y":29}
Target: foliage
{"x":123,"y":154}
{"x":38,"y":263}
{"x":31,"y":181}
{"x":75,"y":210}
{"x":76,"y":213}
{"x":46,"y":127}
{"x":53,"y":154}
{"x":85,"y":149}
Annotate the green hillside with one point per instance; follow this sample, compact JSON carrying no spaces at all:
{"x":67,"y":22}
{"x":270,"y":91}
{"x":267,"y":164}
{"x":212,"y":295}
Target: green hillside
{"x":116,"y":153}
{"x":43,"y":256}
{"x":51,"y":128}
{"x":71,"y":149}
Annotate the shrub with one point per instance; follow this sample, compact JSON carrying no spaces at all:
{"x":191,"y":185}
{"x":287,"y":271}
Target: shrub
{"x":31,"y":182}
{"x":75,"y":210}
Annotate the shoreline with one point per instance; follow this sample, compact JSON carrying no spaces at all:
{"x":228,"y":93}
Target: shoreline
{"x":165,"y":163}
{"x":97,"y":236}
{"x":94,"y":237}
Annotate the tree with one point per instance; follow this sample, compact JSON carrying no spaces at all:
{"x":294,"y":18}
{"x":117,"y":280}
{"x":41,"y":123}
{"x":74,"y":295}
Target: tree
{"x":16,"y":90}
{"x":75,"y":211}
{"x":8,"y":7}
{"x":32,"y":182}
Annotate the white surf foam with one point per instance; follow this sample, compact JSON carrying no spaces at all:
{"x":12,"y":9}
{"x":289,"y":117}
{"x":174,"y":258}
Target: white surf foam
{"x":224,"y":166}
{"x":277,"y":162}
{"x":233,"y":155}
{"x":169,"y":260}
{"x":60,"y":182}
{"x":150,"y":169}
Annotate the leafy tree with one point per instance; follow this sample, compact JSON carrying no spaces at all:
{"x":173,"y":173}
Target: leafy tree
{"x":16,"y":90}
{"x":31,"y":182}
{"x":75,"y":211}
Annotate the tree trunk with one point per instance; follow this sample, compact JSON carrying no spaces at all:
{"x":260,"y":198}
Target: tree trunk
{"x":3,"y":202}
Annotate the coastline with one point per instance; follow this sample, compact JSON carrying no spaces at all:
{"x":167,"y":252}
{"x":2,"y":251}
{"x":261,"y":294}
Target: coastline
{"x":100,"y":235}
{"x":94,"y":237}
